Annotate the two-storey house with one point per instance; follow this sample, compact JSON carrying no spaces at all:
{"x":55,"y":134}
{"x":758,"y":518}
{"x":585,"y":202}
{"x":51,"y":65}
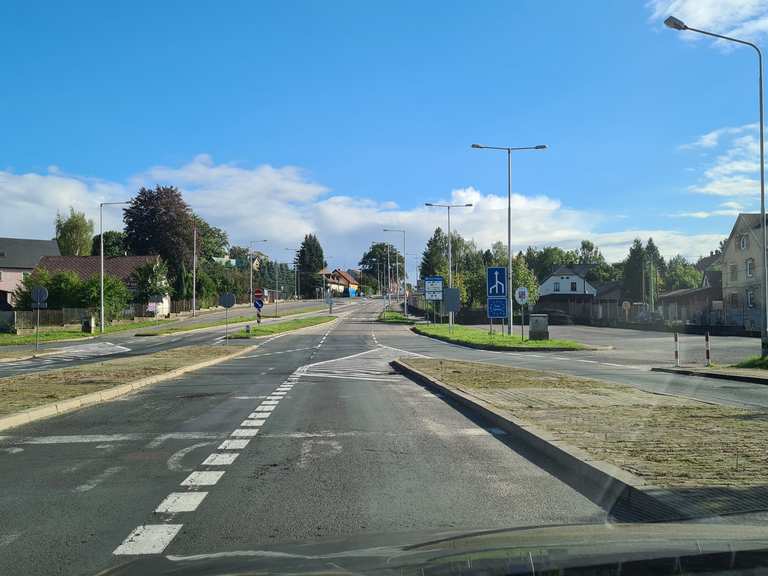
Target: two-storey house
{"x":742,"y":267}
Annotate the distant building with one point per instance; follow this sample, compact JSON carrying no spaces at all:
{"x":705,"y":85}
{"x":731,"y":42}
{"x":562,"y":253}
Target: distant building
{"x":19,"y":257}
{"x":702,"y":305}
{"x":568,"y":290}
{"x":341,"y":282}
{"x":742,"y":269}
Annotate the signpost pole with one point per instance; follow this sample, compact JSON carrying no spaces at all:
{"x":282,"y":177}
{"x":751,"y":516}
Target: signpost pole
{"x":37,"y":331}
{"x":226,"y":326}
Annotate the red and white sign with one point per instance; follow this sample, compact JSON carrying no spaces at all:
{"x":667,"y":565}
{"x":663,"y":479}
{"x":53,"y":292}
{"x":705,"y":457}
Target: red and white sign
{"x":258,"y":293}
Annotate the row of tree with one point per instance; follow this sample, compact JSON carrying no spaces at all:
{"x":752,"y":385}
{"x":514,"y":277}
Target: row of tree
{"x":159,"y":222}
{"x":642,"y":271}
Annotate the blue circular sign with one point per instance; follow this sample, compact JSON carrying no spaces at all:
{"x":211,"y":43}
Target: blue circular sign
{"x":258,"y":304}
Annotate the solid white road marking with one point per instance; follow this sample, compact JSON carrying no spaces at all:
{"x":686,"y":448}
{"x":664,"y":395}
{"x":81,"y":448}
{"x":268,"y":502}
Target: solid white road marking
{"x":82,"y":438}
{"x":245,"y":433}
{"x":233,"y":444}
{"x":588,"y":361}
{"x":181,"y":502}
{"x":220,"y":459}
{"x":276,"y":396}
{"x":616,"y":365}
{"x":12,"y":450}
{"x":92,"y":483}
{"x":205,"y":478}
{"x":148,"y":539}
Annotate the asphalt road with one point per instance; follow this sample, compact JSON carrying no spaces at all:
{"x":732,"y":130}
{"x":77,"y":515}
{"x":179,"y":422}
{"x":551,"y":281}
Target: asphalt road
{"x":345,"y":447}
{"x":648,"y":348}
{"x":125,"y":343}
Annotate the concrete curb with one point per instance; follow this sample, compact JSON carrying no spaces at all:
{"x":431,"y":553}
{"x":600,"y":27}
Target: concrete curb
{"x":713,"y":375}
{"x":620,"y":493}
{"x":493,"y":348}
{"x":56,"y":408}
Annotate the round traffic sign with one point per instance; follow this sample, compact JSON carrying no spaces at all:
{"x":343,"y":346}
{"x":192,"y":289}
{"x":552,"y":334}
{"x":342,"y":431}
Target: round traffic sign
{"x":227,"y":300}
{"x":521,"y":295}
{"x":258,"y":303}
{"x":258,"y":293}
{"x":39,"y":294}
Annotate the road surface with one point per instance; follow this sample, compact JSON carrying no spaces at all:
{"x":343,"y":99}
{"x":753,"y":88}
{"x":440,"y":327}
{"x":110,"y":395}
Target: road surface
{"x":348,"y":448}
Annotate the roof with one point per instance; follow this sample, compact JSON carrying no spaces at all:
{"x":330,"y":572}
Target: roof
{"x":576,"y":269}
{"x":345,"y":276}
{"x":121,"y":267}
{"x":706,"y":262}
{"x":606,"y":287}
{"x":684,"y":292}
{"x":25,"y":253}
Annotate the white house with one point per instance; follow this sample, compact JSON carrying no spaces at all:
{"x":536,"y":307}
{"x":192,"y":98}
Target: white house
{"x":566,"y":281}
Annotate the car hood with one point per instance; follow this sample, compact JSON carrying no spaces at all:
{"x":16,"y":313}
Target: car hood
{"x":666,"y":548}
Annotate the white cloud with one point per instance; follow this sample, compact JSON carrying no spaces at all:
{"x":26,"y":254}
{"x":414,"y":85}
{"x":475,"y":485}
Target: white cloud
{"x":746,"y":19}
{"x":282,"y":204}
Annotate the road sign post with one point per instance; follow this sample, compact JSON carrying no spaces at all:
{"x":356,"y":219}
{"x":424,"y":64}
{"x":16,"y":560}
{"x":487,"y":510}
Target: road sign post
{"x":496,"y":292}
{"x":521,"y":297}
{"x":433,"y":291}
{"x":227,"y":300}
{"x":39,"y":297}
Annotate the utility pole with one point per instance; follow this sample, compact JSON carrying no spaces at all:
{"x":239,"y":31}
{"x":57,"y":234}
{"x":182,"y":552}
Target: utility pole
{"x":194,"y":268}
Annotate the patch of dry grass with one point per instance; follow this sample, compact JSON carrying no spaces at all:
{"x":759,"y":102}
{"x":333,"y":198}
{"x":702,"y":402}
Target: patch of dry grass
{"x":668,"y":441}
{"x":33,"y":389}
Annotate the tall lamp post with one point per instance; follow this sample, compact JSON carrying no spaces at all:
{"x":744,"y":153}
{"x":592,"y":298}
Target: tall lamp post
{"x":509,"y":151}
{"x":450,"y":263}
{"x":677,"y":24}
{"x":250,"y":266}
{"x":295,"y":272}
{"x":405,"y":270}
{"x":101,"y":260}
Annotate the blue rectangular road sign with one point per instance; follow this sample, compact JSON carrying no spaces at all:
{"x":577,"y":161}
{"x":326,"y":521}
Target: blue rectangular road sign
{"x":496,"y":282}
{"x":497,"y":307}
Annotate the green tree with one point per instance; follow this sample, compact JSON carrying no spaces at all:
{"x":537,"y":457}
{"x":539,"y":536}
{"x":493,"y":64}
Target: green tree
{"x":524,"y":276}
{"x":114,"y":244}
{"x":310,"y":260}
{"x":152,"y":280}
{"x":116,"y":295}
{"x":373,"y":264}
{"x":543,"y":262}
{"x":159,"y":221}
{"x":434,"y":259}
{"x":633,"y":272}
{"x":682,"y":274}
{"x":74,"y":233}
{"x":212,"y":242}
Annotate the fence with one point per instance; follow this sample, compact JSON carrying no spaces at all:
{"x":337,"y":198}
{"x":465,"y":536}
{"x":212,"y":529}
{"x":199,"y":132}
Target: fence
{"x":26,"y":319}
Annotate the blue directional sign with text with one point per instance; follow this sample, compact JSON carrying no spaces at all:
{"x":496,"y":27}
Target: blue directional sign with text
{"x":496,"y":282}
{"x":497,"y":307}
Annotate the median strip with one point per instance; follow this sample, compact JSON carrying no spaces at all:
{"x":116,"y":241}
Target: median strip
{"x":279,"y":327}
{"x":474,"y":338}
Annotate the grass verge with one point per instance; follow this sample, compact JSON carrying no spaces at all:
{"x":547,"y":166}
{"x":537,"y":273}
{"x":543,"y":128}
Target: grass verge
{"x":391,"y":317}
{"x":753,"y":362}
{"x":215,"y":323}
{"x":278,"y":327}
{"x":482,"y":339}
{"x":48,"y":334}
{"x":34,"y":389}
{"x":668,"y":441}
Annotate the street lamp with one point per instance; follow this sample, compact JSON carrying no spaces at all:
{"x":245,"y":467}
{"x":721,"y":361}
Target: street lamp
{"x":405,"y":270}
{"x":250,"y":264}
{"x":295,"y":272}
{"x":450,"y":265}
{"x":509,"y":151}
{"x":677,"y":24}
{"x":101,"y":260}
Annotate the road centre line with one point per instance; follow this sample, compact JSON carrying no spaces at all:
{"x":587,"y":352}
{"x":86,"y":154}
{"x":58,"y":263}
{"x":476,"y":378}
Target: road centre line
{"x":220,"y":459}
{"x":244,"y":432}
{"x":233,"y":444}
{"x":177,"y":502}
{"x":203,"y":478}
{"x":148,"y":539}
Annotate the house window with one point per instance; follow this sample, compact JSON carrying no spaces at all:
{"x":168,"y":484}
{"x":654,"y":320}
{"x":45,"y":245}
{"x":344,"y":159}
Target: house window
{"x":734,"y":299}
{"x":743,"y":242}
{"x":751,"y":298}
{"x":573,"y":286}
{"x":750,"y":267}
{"x":557,"y":286}
{"x":734,"y":272}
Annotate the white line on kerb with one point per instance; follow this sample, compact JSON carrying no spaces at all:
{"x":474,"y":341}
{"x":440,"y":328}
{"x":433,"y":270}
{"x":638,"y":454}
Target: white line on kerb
{"x":148,"y":539}
{"x":181,"y":502}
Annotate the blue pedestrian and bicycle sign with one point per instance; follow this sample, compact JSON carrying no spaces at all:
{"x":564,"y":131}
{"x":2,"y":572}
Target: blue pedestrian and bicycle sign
{"x":496,"y":291}
{"x":258,"y":303}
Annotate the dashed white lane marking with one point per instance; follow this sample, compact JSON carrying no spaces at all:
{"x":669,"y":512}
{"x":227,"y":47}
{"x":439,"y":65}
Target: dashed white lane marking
{"x":254,"y":422}
{"x":587,"y":361}
{"x":245,"y":432}
{"x":12,"y":450}
{"x":220,"y":459}
{"x":560,"y":358}
{"x":615,"y":365}
{"x":247,"y":397}
{"x":203,"y":478}
{"x":233,"y":444}
{"x":148,"y":539}
{"x":278,"y":396}
{"x":263,"y":408}
{"x":6,"y":539}
{"x":82,"y":438}
{"x":270,"y":402}
{"x":181,"y":502}
{"x":93,"y":482}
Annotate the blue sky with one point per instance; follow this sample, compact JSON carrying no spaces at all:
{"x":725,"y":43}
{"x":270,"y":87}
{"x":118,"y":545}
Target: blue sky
{"x":280,"y":118}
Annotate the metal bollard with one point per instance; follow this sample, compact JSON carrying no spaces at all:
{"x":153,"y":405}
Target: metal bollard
{"x":708,"y":355}
{"x":677,"y":352}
